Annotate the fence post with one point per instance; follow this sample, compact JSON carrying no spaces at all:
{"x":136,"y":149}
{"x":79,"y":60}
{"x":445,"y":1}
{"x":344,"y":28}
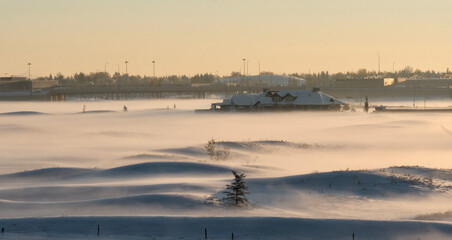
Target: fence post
{"x":232,"y":236}
{"x":3,"y":230}
{"x":205,"y":233}
{"x":353,"y":236}
{"x":98,"y":230}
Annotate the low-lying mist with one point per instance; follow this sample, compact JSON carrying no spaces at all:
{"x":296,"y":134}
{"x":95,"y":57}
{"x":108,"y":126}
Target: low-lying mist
{"x":57,"y":160}
{"x":65,"y":137}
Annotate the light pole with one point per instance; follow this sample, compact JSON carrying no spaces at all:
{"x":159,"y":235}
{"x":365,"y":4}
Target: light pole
{"x":247,"y":68}
{"x":105,"y":68}
{"x":259,"y":65}
{"x":126,"y":62}
{"x":153,"y":68}
{"x":244,"y":69}
{"x":393,"y":69}
{"x":378,"y":63}
{"x":29,"y":71}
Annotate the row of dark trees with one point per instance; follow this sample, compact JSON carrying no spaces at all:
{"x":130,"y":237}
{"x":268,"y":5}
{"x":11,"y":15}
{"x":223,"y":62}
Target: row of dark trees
{"x":105,"y":79}
{"x":323,"y":78}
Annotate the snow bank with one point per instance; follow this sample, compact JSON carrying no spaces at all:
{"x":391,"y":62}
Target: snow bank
{"x":89,"y":192}
{"x":218,"y":228}
{"x":22,"y":113}
{"x":138,"y":205}
{"x":47,"y":174}
{"x":148,"y":169}
{"x":356,"y":183}
{"x":167,"y":168}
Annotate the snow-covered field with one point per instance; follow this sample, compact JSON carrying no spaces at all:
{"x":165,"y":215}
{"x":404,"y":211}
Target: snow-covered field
{"x":145,"y":174}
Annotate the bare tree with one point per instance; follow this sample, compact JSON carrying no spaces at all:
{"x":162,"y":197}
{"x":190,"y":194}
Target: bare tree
{"x":215,"y":152}
{"x":210,"y":148}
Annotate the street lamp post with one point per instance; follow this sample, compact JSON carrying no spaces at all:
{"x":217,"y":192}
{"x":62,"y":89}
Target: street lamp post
{"x":29,"y":71}
{"x":105,"y":68}
{"x":153,"y":68}
{"x":259,"y":64}
{"x":393,"y":70}
{"x":378,"y":63}
{"x":244,"y":67}
{"x":247,"y":68}
{"x":126,"y":62}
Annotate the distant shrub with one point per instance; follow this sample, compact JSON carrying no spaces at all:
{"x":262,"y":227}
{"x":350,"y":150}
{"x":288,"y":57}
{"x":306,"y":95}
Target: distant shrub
{"x":211,"y":148}
{"x":412,"y":180}
{"x":216,"y":152}
{"x":435,"y":216}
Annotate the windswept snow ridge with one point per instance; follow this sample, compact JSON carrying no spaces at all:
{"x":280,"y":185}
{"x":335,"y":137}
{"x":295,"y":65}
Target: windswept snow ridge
{"x":247,"y":228}
{"x":146,"y":173}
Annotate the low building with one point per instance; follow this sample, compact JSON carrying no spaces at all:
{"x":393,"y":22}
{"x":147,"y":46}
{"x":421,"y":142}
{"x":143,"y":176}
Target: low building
{"x":363,"y":82}
{"x":264,"y":80}
{"x":12,"y":78}
{"x":43,"y":84}
{"x":280,"y":100}
{"x":428,"y":83}
{"x":14,"y":84}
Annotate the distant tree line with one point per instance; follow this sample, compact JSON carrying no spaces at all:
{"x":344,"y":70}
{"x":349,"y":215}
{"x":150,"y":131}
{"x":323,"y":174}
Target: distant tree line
{"x":105,"y":79}
{"x":323,"y":78}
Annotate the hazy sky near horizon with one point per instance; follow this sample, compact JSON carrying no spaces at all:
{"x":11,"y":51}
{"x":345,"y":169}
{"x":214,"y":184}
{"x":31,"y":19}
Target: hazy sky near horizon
{"x":199,"y":36}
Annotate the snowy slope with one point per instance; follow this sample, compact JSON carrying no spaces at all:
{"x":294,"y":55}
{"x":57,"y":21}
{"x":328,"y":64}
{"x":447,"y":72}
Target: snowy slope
{"x":145,"y":174}
{"x":219,"y":228}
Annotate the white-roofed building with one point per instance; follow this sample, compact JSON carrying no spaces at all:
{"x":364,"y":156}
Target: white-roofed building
{"x":264,"y":80}
{"x":280,"y":100}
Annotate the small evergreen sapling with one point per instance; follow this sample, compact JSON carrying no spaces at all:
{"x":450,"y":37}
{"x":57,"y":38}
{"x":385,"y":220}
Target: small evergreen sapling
{"x":236,"y":191}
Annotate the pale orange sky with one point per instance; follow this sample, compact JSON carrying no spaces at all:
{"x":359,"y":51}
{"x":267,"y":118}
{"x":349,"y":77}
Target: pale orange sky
{"x":213,"y":36}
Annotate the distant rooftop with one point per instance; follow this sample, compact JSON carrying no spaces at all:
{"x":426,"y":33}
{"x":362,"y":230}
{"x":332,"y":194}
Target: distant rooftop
{"x":12,"y":78}
{"x":271,"y":80}
{"x":284,"y":97}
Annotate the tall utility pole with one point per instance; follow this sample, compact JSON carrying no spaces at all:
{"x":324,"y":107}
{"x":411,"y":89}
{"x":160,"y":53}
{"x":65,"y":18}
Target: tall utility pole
{"x":126,"y":62}
{"x":153,"y":68}
{"x":244,"y":67}
{"x":105,"y":68}
{"x":393,"y":69}
{"x":247,"y":68}
{"x":29,"y":71}
{"x":378,"y":63}
{"x":259,"y":64}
